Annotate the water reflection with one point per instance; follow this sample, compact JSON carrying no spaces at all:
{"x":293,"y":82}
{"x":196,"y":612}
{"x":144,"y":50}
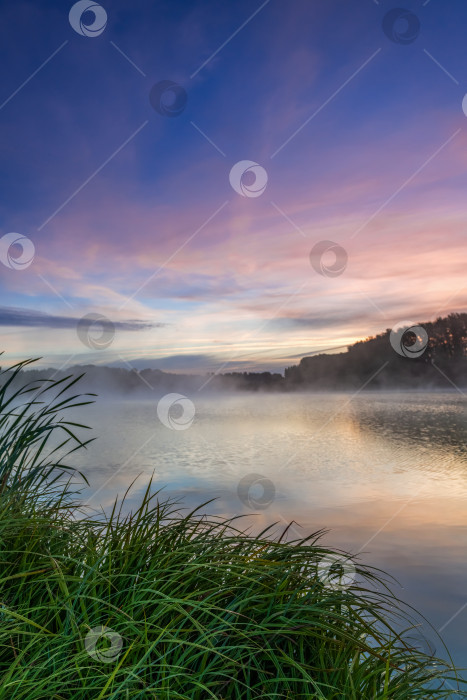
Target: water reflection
{"x":386,"y":473}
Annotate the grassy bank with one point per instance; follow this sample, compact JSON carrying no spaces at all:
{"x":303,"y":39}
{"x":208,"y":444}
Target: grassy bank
{"x":157,"y":604}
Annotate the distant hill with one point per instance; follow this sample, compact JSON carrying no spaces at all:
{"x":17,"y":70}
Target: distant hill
{"x":131,"y":382}
{"x":432,"y":356}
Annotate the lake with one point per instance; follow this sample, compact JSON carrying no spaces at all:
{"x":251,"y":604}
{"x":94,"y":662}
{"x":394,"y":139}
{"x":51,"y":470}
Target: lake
{"x":385,"y":473}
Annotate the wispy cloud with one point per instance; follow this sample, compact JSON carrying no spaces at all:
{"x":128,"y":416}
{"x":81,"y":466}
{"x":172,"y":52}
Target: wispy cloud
{"x":18,"y":317}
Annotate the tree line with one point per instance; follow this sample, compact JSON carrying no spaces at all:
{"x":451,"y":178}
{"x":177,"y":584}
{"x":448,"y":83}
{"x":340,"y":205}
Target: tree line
{"x":373,"y":363}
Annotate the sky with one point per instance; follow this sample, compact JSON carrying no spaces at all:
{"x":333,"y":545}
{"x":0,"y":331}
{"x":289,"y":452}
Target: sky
{"x":209,"y":185}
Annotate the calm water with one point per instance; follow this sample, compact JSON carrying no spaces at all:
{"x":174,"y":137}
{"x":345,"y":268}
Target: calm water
{"x":386,"y":474}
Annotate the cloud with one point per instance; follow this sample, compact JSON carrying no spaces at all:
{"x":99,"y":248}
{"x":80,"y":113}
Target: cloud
{"x":319,"y":321}
{"x":188,"y":362}
{"x":16,"y":317}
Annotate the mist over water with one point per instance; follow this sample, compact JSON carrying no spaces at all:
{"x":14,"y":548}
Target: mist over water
{"x":385,"y":472}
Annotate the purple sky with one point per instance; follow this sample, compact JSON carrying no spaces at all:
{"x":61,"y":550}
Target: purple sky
{"x":132,"y":215}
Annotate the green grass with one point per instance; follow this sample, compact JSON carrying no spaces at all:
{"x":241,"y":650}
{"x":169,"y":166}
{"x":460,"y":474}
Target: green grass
{"x":200,"y":608}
